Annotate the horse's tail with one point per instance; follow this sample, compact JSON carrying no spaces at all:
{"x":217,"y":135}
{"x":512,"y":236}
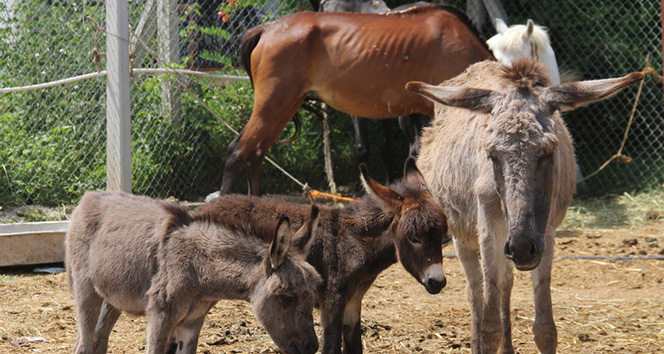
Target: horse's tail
{"x":250,"y":39}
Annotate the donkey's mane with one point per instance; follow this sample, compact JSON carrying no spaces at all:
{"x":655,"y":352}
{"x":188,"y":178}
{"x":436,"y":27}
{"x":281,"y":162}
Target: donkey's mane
{"x":178,"y":216}
{"x":526,"y":73}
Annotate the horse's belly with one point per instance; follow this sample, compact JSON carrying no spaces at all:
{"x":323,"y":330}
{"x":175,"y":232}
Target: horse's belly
{"x":369,"y":103}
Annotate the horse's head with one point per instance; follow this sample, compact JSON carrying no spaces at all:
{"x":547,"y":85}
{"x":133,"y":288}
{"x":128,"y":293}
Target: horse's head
{"x":524,"y":41}
{"x":419,"y":226}
{"x":520,"y":163}
{"x":284,"y":300}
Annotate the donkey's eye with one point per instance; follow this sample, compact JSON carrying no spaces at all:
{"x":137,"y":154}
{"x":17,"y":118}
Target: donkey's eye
{"x":287,"y":300}
{"x":414,"y":240}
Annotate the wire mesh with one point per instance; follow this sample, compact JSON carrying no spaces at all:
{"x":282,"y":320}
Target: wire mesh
{"x":53,"y":140}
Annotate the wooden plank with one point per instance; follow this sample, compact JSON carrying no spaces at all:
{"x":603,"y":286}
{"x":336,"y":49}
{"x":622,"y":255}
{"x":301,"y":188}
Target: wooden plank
{"x":118,"y":154}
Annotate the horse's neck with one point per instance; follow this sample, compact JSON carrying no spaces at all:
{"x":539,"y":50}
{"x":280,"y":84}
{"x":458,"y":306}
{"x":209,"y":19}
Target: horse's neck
{"x":548,"y":57}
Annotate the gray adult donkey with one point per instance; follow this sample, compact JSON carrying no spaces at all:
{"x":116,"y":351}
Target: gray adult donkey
{"x":149,"y":257}
{"x":500,"y":161}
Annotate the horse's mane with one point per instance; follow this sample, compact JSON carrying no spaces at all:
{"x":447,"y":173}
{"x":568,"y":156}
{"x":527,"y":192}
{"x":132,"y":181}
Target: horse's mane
{"x":512,"y":39}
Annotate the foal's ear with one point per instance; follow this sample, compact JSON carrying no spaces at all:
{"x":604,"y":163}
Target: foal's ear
{"x":388,"y":198}
{"x":304,"y":237}
{"x":280,"y":243}
{"x":411,"y":173}
{"x":462,"y":97}
{"x":569,"y":96}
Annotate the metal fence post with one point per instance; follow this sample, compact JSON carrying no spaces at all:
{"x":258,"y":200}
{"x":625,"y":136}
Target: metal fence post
{"x":118,"y":150}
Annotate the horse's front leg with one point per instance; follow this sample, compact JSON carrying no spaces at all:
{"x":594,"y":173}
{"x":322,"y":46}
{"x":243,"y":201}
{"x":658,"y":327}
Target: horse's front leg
{"x":469,"y":259}
{"x":360,"y":126}
{"x":386,"y":148}
{"x":411,"y":125}
{"x":544,"y":328}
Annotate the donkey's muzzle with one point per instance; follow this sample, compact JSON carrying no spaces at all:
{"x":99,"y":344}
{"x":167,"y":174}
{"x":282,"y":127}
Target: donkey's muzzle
{"x":306,"y":345}
{"x":525,"y":253}
{"x":433,"y":279}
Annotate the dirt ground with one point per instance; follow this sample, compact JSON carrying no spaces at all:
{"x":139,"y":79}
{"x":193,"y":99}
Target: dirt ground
{"x":600,"y":306}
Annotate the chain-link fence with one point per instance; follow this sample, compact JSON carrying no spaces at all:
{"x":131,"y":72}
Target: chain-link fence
{"x":53,"y":139}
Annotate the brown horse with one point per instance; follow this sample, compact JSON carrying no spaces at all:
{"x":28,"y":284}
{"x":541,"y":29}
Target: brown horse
{"x":356,"y":63}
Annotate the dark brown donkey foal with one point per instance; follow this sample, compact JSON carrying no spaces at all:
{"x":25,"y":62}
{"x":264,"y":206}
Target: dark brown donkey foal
{"x":148,"y":257}
{"x":354,"y":244}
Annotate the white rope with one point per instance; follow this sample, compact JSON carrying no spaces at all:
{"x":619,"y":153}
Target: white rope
{"x":216,"y":77}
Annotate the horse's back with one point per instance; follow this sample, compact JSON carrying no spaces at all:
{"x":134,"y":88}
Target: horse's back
{"x":360,"y":63}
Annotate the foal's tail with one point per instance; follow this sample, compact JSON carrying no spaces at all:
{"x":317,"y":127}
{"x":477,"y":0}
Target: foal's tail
{"x":250,"y":39}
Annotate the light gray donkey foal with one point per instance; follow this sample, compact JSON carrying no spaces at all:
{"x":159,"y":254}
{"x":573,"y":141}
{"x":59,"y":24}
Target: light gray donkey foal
{"x":149,"y":257}
{"x":500,"y":161}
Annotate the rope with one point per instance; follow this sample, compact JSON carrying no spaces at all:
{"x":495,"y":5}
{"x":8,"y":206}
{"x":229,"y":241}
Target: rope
{"x":224,"y":78}
{"x":618,"y":155}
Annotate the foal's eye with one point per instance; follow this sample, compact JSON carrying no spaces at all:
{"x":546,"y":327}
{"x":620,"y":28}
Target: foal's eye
{"x":287,"y":300}
{"x":414,"y":240}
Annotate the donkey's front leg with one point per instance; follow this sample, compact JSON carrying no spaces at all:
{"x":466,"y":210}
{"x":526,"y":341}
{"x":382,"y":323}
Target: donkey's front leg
{"x":544,"y":328}
{"x":471,"y":268}
{"x":492,"y":240}
{"x":332,"y":315}
{"x":161,"y":325}
{"x":352,"y":331}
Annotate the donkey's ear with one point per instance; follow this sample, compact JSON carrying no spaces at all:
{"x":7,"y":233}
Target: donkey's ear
{"x":569,"y":96}
{"x":304,"y":237}
{"x":501,"y":26}
{"x":388,"y":198}
{"x":411,"y":173}
{"x":280,"y":243}
{"x":462,"y":97}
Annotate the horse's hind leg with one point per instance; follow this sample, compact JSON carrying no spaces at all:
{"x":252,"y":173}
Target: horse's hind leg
{"x":544,"y":328}
{"x":261,"y":137}
{"x":108,"y":316}
{"x":233,"y":165}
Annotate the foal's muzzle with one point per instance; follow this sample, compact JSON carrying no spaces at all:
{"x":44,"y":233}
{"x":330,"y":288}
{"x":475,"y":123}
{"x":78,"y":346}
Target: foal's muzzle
{"x":433,"y":279}
{"x":306,"y":345}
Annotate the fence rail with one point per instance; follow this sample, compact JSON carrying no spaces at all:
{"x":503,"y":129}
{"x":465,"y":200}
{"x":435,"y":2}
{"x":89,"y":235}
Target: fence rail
{"x":54,"y":135}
